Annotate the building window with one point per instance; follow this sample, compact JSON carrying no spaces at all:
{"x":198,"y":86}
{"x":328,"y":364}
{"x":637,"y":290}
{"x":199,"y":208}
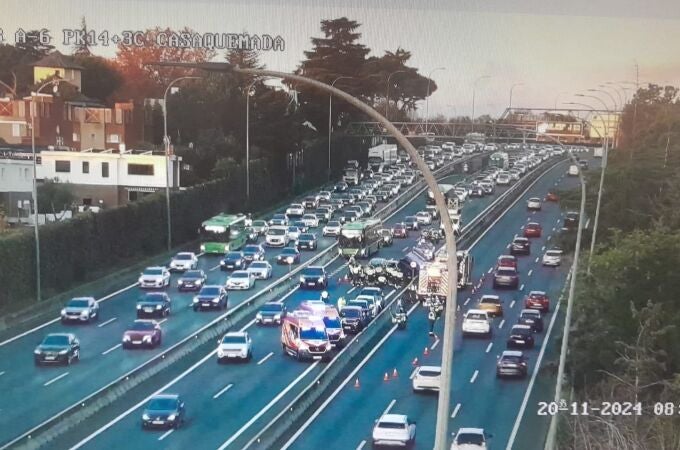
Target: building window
{"x":105,"y":170}
{"x":2,"y":173}
{"x":76,"y":138}
{"x":16,"y":130}
{"x":140,"y":169}
{"x":62,"y":166}
{"x":86,"y":167}
{"x":114,"y":138}
{"x":26,"y":174}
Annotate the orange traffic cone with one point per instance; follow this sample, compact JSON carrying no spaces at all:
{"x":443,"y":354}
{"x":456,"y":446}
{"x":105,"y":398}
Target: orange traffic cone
{"x":426,"y":351}
{"x":386,"y":377}
{"x":356,"y":384}
{"x":394,"y":373}
{"x":415,"y":362}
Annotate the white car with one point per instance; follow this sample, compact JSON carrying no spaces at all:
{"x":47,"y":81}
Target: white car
{"x":293,"y":233}
{"x":184,"y":261}
{"x":154,"y":277}
{"x":427,"y":378}
{"x":394,"y":430}
{"x":424,"y":218}
{"x":552,"y":258}
{"x":277,"y":236}
{"x":573,"y":170}
{"x":240,"y":279}
{"x":326,"y":195}
{"x":310,"y":220}
{"x":333,"y":228}
{"x":461,"y":193}
{"x":296,"y":209}
{"x":476,"y":322}
{"x":469,"y":439}
{"x":234,"y":345}
{"x":534,"y":204}
{"x":80,"y":309}
{"x":503,"y":179}
{"x":261,"y":270}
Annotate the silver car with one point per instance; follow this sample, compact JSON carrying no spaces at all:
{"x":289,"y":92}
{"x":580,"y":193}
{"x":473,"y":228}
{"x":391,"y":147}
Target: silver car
{"x":261,"y":270}
{"x":80,"y":309}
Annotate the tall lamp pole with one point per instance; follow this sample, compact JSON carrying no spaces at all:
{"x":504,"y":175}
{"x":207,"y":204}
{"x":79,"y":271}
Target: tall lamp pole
{"x":387,"y":92}
{"x":474,"y":87}
{"x":443,"y":407}
{"x":427,"y":97}
{"x":330,"y":122}
{"x":38,"y":292}
{"x":166,"y":138}
{"x":511,"y":89}
{"x":250,"y":86}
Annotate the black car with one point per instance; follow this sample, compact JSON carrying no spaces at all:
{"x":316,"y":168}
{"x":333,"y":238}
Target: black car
{"x":387,"y":237}
{"x":531,"y":317}
{"x":476,"y":191}
{"x":521,"y":336}
{"x":192,"y":280}
{"x":164,"y":411}
{"x":584,"y":164}
{"x":314,"y":277}
{"x":310,"y":202}
{"x":232,"y":261}
{"x":211,"y":297}
{"x":253,"y":253}
{"x":153,"y":304}
{"x":353,"y":319}
{"x":340,"y":187}
{"x":571,"y":220}
{"x":511,"y":363}
{"x":411,"y":222}
{"x":348,"y":216}
{"x":520,"y":246}
{"x":251,"y":235}
{"x":307,"y":241}
{"x":287,"y":253}
{"x":57,"y":348}
{"x":271,"y":313}
{"x":409,"y":267}
{"x":505,"y":277}
{"x":383,"y":195}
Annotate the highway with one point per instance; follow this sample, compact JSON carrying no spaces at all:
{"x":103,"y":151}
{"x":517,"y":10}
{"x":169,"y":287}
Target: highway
{"x":478,"y":398}
{"x":227,"y":404}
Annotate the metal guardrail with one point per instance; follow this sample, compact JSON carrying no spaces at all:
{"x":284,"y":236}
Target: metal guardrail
{"x":238,"y":316}
{"x":292,"y":416}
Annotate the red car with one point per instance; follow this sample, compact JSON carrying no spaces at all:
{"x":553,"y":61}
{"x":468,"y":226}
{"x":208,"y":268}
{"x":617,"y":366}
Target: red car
{"x":142,"y":333}
{"x":400,"y":231}
{"x":537,"y":300}
{"x":532,"y":229}
{"x":506,"y":261}
{"x":552,"y":197}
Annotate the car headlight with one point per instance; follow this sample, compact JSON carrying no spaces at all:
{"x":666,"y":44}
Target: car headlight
{"x":36,"y":351}
{"x":63,"y":352}
{"x":146,"y":338}
{"x":215,"y":300}
{"x":180,"y":282}
{"x":277,"y":316}
{"x":139,"y":306}
{"x":63,"y":312}
{"x":84,"y":312}
{"x":222,"y":263}
{"x":258,"y":316}
{"x":220,"y":353}
{"x":302,"y":279}
{"x":195,"y":300}
{"x":320,"y":279}
{"x":172,"y":417}
{"x":202,"y":247}
{"x":126,"y":338}
{"x":158,"y":306}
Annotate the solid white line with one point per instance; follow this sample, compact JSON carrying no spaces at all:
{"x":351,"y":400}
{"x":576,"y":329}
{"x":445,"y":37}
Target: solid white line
{"x":455,"y":410}
{"x":394,"y":400}
{"x":512,"y":303}
{"x":268,"y":406}
{"x":106,"y":352}
{"x":223,"y":390}
{"x":527,"y":394}
{"x":488,"y":347}
{"x":530,"y":272}
{"x":474,"y":376}
{"x":500,"y":325}
{"x":56,"y":379}
{"x":265,"y":358}
{"x":166,"y":434}
{"x":466,"y":301}
{"x":536,"y":260}
{"x":390,"y":294}
{"x":436,"y":343}
{"x":361,"y":445}
{"x":103,"y":324}
{"x":351,"y":290}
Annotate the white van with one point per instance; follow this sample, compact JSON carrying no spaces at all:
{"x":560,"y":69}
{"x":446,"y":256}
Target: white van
{"x":573,"y":170}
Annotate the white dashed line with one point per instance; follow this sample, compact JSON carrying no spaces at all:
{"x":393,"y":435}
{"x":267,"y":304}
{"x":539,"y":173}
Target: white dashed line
{"x":490,"y":270}
{"x":521,"y":288}
{"x":488,"y":347}
{"x":47,"y":383}
{"x":512,"y":304}
{"x":474,"y":376}
{"x":223,"y":390}
{"x":394,"y":400}
{"x":103,"y":324}
{"x":466,"y":301}
{"x":500,"y":325}
{"x":530,"y":272}
{"x":536,"y":260}
{"x":436,"y":343}
{"x":405,"y":249}
{"x":2,"y":373}
{"x":522,"y":227}
{"x":214,"y":268}
{"x":161,"y":321}
{"x":106,"y":352}
{"x":542,"y":248}
{"x":361,"y":445}
{"x":265,"y":358}
{"x":166,"y":434}
{"x":413,"y":373}
{"x":351,"y":290}
{"x":455,"y":410}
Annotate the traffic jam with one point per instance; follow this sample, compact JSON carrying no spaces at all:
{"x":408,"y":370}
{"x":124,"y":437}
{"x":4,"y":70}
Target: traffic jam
{"x":394,"y":263}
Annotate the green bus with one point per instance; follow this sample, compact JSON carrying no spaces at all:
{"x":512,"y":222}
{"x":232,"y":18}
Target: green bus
{"x":360,"y":239}
{"x":499,"y":160}
{"x":223,"y":233}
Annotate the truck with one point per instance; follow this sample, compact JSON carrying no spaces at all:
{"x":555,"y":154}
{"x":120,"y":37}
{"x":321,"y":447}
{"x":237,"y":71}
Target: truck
{"x":455,"y":214}
{"x":499,"y":160}
{"x":382,"y":155}
{"x":433,"y":277}
{"x":446,"y":189}
{"x":351,"y":176}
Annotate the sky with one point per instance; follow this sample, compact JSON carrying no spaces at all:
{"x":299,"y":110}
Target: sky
{"x":553,"y":48}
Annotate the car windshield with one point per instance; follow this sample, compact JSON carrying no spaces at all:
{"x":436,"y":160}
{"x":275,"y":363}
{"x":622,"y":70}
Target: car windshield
{"x":77,"y":303}
{"x":429,"y":373}
{"x":154,"y":297}
{"x":476,"y":316}
{"x":410,"y":219}
{"x":350,"y":312}
{"x":210,"y":291}
{"x":520,"y":331}
{"x":141,"y":326}
{"x":234,"y":339}
{"x":259,"y":223}
{"x":490,"y":300}
{"x":258,"y":265}
{"x":56,"y":340}
{"x":511,"y":359}
{"x":313,"y":271}
{"x":272,"y":307}
{"x":306,"y":237}
{"x":313,"y":333}
{"x":399,"y":226}
{"x":334,"y":224}
{"x":251,"y":249}
{"x":289,"y":251}
{"x":391,"y":425}
{"x":233,"y":255}
{"x":293,"y":229}
{"x":192,"y":274}
{"x":276,"y":232}
{"x":332,"y":322}
{"x":470,"y":438}
{"x":153,"y":271}
{"x":162,"y":404}
{"x":240,"y":275}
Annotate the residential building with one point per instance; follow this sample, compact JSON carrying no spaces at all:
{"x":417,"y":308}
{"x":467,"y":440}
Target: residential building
{"x":16,"y":183}
{"x":59,"y":65}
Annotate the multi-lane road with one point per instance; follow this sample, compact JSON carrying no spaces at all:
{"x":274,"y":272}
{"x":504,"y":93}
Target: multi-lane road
{"x":227,"y":405}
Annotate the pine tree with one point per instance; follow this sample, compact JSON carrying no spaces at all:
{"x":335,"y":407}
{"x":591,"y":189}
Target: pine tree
{"x":82,"y":48}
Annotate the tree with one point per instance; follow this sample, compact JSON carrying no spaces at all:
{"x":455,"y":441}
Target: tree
{"x":82,"y":48}
{"x":101,"y":77}
{"x":54,"y":197}
{"x":34,"y":46}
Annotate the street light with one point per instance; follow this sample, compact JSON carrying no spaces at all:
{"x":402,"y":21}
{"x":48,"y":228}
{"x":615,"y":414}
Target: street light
{"x":474,"y":87}
{"x":615,"y":89}
{"x":330,"y":122}
{"x":441,"y":436}
{"x":55,"y":82}
{"x":250,"y":86}
{"x":166,"y":138}
{"x":427,"y":97}
{"x":511,"y":88}
{"x":611,"y":97}
{"x":387,"y":92}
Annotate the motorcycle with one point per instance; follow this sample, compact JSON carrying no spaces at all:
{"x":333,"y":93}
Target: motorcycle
{"x":433,"y":235}
{"x":356,"y":274}
{"x":380,"y":276}
{"x":400,"y":319}
{"x":395,"y":277}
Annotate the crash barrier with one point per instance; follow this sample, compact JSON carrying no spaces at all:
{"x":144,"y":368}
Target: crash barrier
{"x":292,"y":417}
{"x":203,"y":339}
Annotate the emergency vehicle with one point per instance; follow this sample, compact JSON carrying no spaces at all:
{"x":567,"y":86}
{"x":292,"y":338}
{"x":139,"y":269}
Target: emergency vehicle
{"x":304,"y":337}
{"x":433,"y":277}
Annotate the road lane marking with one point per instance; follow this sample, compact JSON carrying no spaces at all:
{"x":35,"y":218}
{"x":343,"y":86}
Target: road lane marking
{"x":223,"y":390}
{"x":490,"y":270}
{"x":466,"y":301}
{"x":521,"y":288}
{"x":387,"y":410}
{"x":166,"y":434}
{"x":436,"y":343}
{"x":522,"y":227}
{"x":390,"y":294}
{"x":529,"y":273}
{"x":361,"y":445}
{"x":512,"y":303}
{"x":57,"y":378}
{"x":587,"y":223}
{"x":161,"y":321}
{"x":351,"y":290}
{"x":2,"y":373}
{"x":557,"y":221}
{"x":542,"y":248}
{"x":413,"y":373}
{"x":488,"y":347}
{"x":553,"y":228}
{"x":269,"y":405}
{"x":455,"y":411}
{"x":500,"y":325}
{"x":405,"y":249}
{"x":474,"y":376}
{"x":103,"y":324}
{"x":106,"y":352}
{"x":213,"y":268}
{"x":265,"y":358}
{"x":549,"y":237}
{"x":536,"y":260}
